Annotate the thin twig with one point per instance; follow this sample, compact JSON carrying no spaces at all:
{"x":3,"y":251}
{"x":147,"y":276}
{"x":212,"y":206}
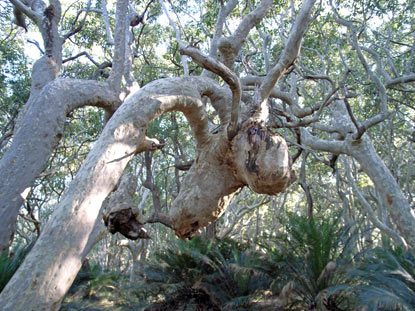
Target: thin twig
{"x":81,"y":25}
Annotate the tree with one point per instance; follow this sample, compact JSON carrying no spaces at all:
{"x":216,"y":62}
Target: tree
{"x":313,"y":104}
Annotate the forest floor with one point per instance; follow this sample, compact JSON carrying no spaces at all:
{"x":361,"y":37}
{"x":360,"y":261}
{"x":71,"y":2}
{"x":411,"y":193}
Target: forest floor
{"x":182,"y":300}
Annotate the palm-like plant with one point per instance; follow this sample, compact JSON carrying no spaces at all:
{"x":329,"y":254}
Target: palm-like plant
{"x":308,"y":261}
{"x":219,"y":269}
{"x":385,"y":280}
{"x":237,"y":280}
{"x":183,"y":263}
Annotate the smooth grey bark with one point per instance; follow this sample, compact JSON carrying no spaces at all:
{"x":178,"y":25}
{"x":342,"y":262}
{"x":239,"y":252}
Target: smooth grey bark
{"x":17,"y":170}
{"x":40,"y":122}
{"x":183,"y":59}
{"x":39,"y":132}
{"x":229,"y":47}
{"x":43,"y":279}
{"x":120,"y":36}
{"x":365,"y":154}
{"x":255,"y":157}
{"x":390,"y":193}
{"x":290,"y":51}
{"x":363,"y":151}
{"x":224,"y":11}
{"x":368,"y":209}
{"x":348,"y":131}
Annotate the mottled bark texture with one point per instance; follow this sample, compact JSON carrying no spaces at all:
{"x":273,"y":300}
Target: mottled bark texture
{"x":262,"y":159}
{"x":40,"y":124}
{"x":255,"y":157}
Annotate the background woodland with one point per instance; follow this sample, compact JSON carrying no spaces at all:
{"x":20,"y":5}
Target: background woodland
{"x":340,"y":237}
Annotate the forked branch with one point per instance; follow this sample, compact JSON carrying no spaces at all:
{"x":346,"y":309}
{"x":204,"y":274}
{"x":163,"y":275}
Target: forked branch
{"x":81,"y":24}
{"x":226,"y":74}
{"x":290,"y":51}
{"x":230,"y":46}
{"x":223,"y":13}
{"x":36,"y":17}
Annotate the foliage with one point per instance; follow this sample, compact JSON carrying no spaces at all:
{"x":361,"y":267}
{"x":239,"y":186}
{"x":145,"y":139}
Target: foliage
{"x":311,"y":255}
{"x":14,"y":84}
{"x":307,"y":261}
{"x":92,"y":279}
{"x":310,"y":267}
{"x":10,"y":262}
{"x":214,"y":267}
{"x":384,"y":279}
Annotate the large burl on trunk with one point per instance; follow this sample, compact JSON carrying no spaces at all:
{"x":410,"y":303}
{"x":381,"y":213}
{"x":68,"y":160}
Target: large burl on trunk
{"x":243,"y":153}
{"x":262,"y":159}
{"x":255,"y":157}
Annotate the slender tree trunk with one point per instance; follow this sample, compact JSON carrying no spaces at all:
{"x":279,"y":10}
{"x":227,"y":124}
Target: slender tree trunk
{"x":363,"y":151}
{"x":43,"y":279}
{"x":41,"y":121}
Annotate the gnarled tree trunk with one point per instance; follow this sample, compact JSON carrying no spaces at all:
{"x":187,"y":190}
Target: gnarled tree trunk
{"x":243,"y":152}
{"x":123,"y":136}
